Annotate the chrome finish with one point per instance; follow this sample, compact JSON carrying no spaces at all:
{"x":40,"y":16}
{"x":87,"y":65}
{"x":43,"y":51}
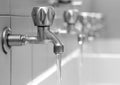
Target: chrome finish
{"x":83,"y":19}
{"x":58,"y":46}
{"x":70,"y":18}
{"x":16,"y":40}
{"x":43,"y":18}
{"x":81,"y":38}
{"x":5,"y":33}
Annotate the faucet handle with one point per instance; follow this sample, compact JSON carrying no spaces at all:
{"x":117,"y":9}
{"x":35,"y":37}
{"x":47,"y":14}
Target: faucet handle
{"x":71,"y":16}
{"x":43,"y":16}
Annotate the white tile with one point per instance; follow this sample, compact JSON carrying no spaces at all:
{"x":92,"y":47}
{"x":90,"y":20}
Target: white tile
{"x":86,"y":7}
{"x":43,"y":58}
{"x":24,"y":7}
{"x":4,"y":59}
{"x":21,"y":55}
{"x":4,"y":21}
{"x":112,"y":20}
{"x":21,"y":65}
{"x":4,"y":7}
{"x":22,"y":25}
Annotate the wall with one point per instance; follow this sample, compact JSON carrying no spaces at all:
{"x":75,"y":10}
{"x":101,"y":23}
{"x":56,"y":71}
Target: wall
{"x":103,"y":50}
{"x":110,"y":9}
{"x":4,"y":59}
{"x":24,"y":63}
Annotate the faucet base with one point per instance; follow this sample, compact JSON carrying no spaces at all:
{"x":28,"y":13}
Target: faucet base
{"x":4,"y":38}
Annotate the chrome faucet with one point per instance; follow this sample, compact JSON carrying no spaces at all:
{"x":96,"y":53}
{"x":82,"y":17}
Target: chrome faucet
{"x":92,"y":23}
{"x":71,"y":18}
{"x":43,"y":18}
{"x":73,"y":24}
{"x":83,"y":21}
{"x":97,"y":23}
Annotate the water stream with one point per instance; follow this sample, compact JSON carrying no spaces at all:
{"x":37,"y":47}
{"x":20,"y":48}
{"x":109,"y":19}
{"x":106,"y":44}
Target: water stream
{"x":81,"y":54}
{"x":59,"y":74}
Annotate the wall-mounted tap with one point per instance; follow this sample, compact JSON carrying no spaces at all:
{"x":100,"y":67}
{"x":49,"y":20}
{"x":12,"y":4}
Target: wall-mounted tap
{"x":70,"y":18}
{"x":73,"y":24}
{"x":96,"y":21}
{"x":91,"y":23}
{"x":82,"y":19}
{"x":43,"y":18}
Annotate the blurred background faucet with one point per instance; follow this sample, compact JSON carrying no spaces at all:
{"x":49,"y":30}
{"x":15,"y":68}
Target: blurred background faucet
{"x":70,"y":18}
{"x":96,"y":24}
{"x":73,"y":24}
{"x":92,"y":23}
{"x":43,"y":18}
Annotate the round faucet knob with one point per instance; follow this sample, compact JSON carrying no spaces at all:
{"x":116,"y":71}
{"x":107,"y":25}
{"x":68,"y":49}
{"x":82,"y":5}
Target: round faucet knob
{"x":71,"y":16}
{"x":43,"y":16}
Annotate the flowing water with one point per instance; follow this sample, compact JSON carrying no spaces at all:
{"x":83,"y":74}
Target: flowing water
{"x":59,"y":74}
{"x":81,"y":58}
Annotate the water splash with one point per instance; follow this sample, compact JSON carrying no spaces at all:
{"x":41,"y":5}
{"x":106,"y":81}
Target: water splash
{"x":59,"y":71}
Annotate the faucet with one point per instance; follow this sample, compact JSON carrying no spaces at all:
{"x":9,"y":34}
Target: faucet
{"x":70,"y":18}
{"x":91,"y":23}
{"x":42,"y":18}
{"x":75,"y":24}
{"x":83,"y":21}
{"x":96,"y":21}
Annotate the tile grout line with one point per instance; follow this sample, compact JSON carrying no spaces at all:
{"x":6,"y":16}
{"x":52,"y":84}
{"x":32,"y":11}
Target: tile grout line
{"x":14,"y":15}
{"x":10,"y":49}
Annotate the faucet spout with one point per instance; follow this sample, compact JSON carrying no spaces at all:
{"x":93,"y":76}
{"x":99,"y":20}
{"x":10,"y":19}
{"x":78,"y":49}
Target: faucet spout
{"x":58,"y":46}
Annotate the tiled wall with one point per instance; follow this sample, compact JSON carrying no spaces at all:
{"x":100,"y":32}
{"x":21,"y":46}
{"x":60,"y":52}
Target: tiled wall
{"x":24,"y":63}
{"x":4,"y":7}
{"x":30,"y":61}
{"x":110,"y":9}
{"x":4,"y":59}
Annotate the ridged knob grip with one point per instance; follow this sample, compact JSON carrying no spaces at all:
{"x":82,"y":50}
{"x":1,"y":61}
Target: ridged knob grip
{"x":43,"y":16}
{"x":71,"y":16}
